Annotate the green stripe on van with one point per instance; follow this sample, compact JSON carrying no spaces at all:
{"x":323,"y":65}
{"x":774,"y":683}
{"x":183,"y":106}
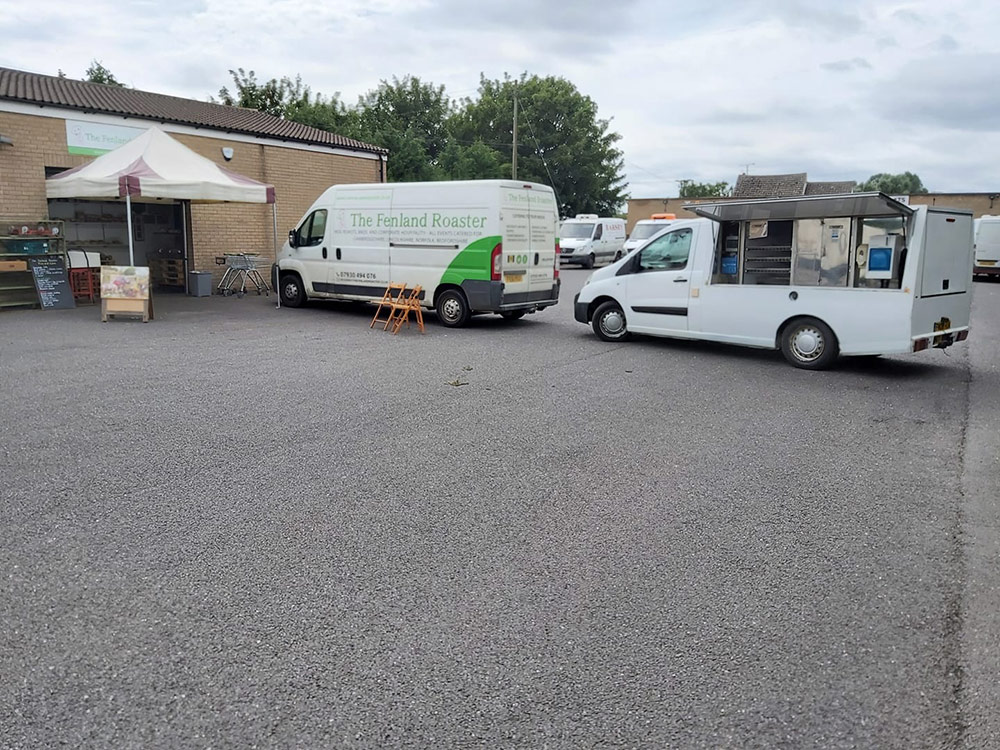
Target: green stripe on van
{"x":472,"y":263}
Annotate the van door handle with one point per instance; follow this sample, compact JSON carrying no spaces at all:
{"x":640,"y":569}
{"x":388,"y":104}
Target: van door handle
{"x":338,"y":253}
{"x":324,"y":253}
{"x":678,"y":281}
{"x":536,"y":259}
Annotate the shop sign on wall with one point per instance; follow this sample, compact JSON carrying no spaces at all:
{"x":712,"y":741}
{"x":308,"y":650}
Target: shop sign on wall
{"x":94,"y":138}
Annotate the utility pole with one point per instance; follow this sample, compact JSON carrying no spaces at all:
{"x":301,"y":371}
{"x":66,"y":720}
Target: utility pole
{"x":513,"y":154}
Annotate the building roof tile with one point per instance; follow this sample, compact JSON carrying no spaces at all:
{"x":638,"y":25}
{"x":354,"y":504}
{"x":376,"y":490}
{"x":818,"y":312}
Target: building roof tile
{"x":770,"y":185}
{"x":52,"y":91}
{"x":830,"y":188}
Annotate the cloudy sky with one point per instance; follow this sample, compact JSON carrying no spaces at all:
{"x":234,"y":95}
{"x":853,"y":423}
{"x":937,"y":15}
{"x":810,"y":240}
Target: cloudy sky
{"x":840,"y":89}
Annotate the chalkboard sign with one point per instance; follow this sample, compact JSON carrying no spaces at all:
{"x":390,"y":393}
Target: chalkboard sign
{"x":52,"y":281}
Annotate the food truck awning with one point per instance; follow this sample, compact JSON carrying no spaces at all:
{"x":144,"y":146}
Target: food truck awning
{"x":807,"y":207}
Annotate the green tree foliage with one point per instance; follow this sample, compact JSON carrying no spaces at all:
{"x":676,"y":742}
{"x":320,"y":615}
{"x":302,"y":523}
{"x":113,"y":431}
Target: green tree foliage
{"x":692,"y":189}
{"x":906,"y":183}
{"x":97,"y":73}
{"x":409,"y":118}
{"x":561,"y":140}
{"x":287,"y":98}
{"x":270,"y":97}
{"x":471,"y":162}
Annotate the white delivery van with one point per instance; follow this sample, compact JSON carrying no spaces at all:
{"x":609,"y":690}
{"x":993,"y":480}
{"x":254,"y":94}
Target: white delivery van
{"x":855,"y":274}
{"x":473,"y":246}
{"x":987,"y":246}
{"x":642,"y":231}
{"x":589,"y":239}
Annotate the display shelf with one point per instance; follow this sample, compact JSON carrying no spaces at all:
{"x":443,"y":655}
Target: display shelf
{"x":44,"y":237}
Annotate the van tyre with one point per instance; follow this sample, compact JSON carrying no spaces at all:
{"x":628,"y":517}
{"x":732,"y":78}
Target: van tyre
{"x":618,"y":256}
{"x":609,"y":322}
{"x":809,"y":343}
{"x":452,"y":308}
{"x":590,"y":261}
{"x":292,"y":292}
{"x":512,"y":314}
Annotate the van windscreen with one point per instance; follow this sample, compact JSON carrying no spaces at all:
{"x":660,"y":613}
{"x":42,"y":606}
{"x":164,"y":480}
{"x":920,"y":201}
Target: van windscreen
{"x":576,"y":231}
{"x":645,"y":231}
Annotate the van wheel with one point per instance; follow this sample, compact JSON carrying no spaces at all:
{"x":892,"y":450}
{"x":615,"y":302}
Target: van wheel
{"x":618,"y":256}
{"x":809,"y":343}
{"x":292,"y":293}
{"x":590,"y":261}
{"x":609,"y":322}
{"x":452,"y":308}
{"x":512,"y":315}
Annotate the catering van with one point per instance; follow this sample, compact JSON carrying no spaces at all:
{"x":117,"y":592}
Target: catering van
{"x":643,"y":230}
{"x":987,"y":246}
{"x":816,"y":277}
{"x":589,"y":239}
{"x":476,"y":246}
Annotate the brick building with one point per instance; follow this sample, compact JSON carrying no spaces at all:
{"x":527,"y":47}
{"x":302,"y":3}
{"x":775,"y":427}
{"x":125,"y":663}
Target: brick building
{"x":48,"y":124}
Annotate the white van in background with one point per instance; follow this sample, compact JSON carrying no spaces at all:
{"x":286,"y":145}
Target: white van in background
{"x":987,"y":241}
{"x":643,"y":230}
{"x":472,"y":246}
{"x":589,"y":239}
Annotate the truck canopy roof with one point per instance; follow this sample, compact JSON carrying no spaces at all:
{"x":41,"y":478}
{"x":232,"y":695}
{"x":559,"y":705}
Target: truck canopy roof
{"x":807,"y":207}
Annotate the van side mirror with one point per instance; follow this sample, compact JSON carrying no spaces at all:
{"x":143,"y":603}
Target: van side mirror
{"x":293,"y":238}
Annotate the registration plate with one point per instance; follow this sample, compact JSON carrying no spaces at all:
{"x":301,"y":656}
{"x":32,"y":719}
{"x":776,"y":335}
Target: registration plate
{"x":987,"y":262}
{"x":513,"y":277}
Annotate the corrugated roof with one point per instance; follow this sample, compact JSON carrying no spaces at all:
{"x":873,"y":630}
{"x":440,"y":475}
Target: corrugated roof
{"x":830,"y":188}
{"x":770,"y":185}
{"x":33,"y":88}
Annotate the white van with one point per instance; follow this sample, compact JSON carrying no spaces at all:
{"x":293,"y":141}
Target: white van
{"x":987,"y":246}
{"x":856,"y":274}
{"x":588,"y":239}
{"x":473,"y":246}
{"x":642,"y":231}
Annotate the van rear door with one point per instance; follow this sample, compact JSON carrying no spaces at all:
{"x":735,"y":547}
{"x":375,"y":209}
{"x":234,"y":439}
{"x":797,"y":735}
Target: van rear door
{"x":947,"y":251}
{"x":544,"y":218}
{"x":515,"y":232}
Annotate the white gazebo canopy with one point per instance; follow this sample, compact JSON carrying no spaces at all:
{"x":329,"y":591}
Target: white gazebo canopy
{"x":151,"y":166}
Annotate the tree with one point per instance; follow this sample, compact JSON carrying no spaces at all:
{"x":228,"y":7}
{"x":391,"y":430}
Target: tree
{"x":476,"y":161}
{"x":97,"y":73}
{"x":906,"y":183}
{"x":287,"y":98}
{"x":430,"y":138}
{"x":692,"y":189}
{"x":561,"y":140}
{"x":409,"y":118}
{"x":270,"y":97}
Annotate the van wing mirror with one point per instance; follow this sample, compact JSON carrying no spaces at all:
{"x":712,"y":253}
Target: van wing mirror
{"x":293,"y":238}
